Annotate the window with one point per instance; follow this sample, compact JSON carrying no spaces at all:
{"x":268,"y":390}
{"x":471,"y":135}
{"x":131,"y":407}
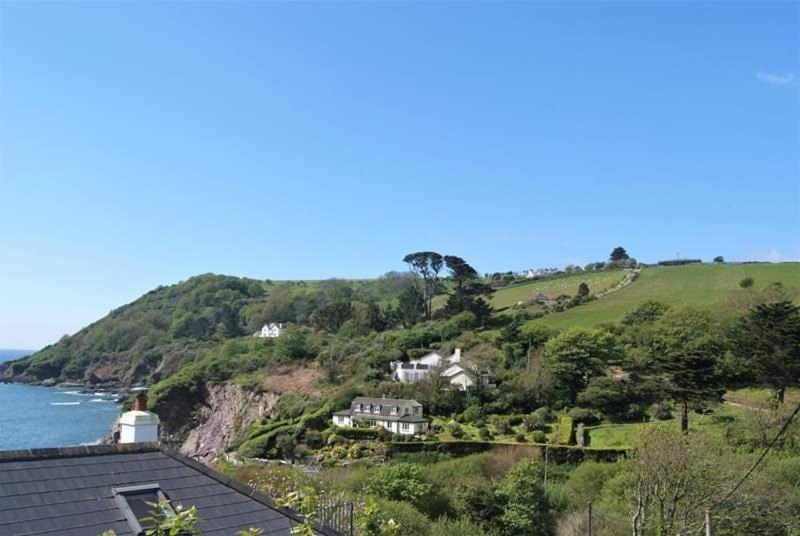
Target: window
{"x":404,"y":426}
{"x":136,"y":502}
{"x":358,"y":407}
{"x":377,"y":409}
{"x":394,"y":410}
{"x":373,"y":423}
{"x":417,"y":411}
{"x":367,"y":407}
{"x":406,"y":411}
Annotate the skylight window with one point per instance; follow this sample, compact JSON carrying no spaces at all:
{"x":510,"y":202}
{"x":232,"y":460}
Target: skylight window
{"x":136,"y":503}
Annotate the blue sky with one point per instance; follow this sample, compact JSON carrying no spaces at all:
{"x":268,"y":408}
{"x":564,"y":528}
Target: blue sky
{"x":143,"y":143}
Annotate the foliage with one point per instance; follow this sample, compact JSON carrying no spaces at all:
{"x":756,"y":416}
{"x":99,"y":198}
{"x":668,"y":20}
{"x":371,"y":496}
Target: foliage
{"x":769,"y":337}
{"x":746,"y":282}
{"x":426,"y":265}
{"x":578,"y":354}
{"x":524,"y":504}
{"x":374,"y":522}
{"x":618,"y":254}
{"x":400,"y":482}
{"x":565,"y":430}
{"x":449,"y":527}
{"x":647,"y":311}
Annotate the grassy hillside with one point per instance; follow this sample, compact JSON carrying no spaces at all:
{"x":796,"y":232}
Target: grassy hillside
{"x":705,"y":284}
{"x":597,"y":281}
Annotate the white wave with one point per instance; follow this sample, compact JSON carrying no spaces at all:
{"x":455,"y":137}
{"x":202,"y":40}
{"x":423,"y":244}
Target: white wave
{"x":99,"y":400}
{"x":76,"y":393}
{"x":64,"y":403}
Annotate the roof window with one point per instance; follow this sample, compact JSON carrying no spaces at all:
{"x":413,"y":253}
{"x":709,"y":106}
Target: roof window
{"x":139,"y":504}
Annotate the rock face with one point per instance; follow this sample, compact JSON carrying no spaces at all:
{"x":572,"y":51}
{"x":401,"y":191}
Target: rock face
{"x":227,"y":413}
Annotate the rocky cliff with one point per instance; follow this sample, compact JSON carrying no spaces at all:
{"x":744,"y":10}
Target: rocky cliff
{"x":226,"y":414}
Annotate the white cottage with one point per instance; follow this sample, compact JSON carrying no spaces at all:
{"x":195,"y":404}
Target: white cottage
{"x":396,"y":415}
{"x":418,"y":369}
{"x":270,"y":331}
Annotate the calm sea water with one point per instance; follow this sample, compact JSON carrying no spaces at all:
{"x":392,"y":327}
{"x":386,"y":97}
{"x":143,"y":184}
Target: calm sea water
{"x":35,"y":417}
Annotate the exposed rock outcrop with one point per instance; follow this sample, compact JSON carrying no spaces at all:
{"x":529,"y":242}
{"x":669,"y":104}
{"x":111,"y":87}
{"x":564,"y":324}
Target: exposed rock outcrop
{"x":227,"y":413}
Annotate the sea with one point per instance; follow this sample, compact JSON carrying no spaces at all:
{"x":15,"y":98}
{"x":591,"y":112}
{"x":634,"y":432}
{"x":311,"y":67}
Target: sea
{"x":38,"y":417}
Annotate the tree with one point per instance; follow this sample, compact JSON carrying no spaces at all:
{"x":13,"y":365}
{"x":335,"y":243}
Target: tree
{"x":468,"y":289}
{"x":686,"y":345}
{"x":747,"y":282}
{"x":523,"y":501}
{"x":332,"y":316}
{"x":576,"y":355}
{"x":719,"y":259}
{"x":410,"y":307}
{"x":769,"y":337}
{"x":618,"y":254}
{"x":427,"y":265}
{"x":647,"y":311}
{"x":583,"y":290}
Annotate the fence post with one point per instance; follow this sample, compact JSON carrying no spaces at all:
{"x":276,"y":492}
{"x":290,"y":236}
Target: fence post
{"x":709,"y":529}
{"x":589,"y":530}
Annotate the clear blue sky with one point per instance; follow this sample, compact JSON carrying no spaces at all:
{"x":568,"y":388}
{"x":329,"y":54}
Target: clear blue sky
{"x":143,"y":143}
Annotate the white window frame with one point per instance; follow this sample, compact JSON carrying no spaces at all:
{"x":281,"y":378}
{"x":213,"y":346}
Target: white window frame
{"x":404,"y":426}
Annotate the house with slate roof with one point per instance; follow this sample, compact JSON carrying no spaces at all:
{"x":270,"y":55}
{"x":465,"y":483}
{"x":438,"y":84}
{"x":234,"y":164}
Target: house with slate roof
{"x":450,"y":368}
{"x":399,"y":416}
{"x":84,"y":491}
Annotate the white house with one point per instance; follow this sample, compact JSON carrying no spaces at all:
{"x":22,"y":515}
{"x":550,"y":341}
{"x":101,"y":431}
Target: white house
{"x":419,"y":369}
{"x":270,"y":331}
{"x":396,"y":415}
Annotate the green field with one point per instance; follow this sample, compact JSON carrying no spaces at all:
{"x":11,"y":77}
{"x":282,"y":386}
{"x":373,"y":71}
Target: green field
{"x":705,"y":285}
{"x":597,"y":281}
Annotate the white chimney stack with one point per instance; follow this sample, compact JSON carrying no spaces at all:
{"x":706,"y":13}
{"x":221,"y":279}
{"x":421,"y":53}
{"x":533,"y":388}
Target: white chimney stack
{"x":139,"y":425}
{"x":456,"y":356}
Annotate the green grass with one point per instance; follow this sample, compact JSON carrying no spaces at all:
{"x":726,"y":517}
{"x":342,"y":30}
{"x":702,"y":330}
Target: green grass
{"x":597,"y":281}
{"x":704,"y":285}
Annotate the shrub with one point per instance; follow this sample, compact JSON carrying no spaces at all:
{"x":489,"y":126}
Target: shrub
{"x":462,"y":527}
{"x":647,"y":311}
{"x":544,"y":414}
{"x":455,"y":429}
{"x":747,"y":282}
{"x":410,"y":521}
{"x":583,"y":416}
{"x":520,"y":438}
{"x":538,"y":436}
{"x":533,"y":422}
{"x":501,"y":424}
{"x":523,"y":501}
{"x":472,"y":413}
{"x":661,"y":411}
{"x":336,"y":439}
{"x":585,"y":483}
{"x":484,"y":434}
{"x":400,"y":482}
{"x":360,"y":433}
{"x":635,"y":412}
{"x":580,"y":435}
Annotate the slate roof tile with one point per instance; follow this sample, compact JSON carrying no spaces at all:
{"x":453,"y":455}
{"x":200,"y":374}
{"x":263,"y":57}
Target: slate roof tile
{"x":69,"y":492}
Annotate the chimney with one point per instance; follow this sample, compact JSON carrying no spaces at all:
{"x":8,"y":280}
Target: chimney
{"x":457,"y":356}
{"x":139,"y":425}
{"x":140,"y":402}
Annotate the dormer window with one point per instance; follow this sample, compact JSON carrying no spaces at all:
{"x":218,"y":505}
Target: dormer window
{"x":137,"y":505}
{"x":394,"y":410}
{"x":377,"y":408}
{"x":406,"y":411}
{"x":358,"y":407}
{"x":367,"y":407}
{"x":417,"y":411}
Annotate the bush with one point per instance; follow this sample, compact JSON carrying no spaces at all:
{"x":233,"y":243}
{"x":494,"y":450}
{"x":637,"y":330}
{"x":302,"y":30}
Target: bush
{"x":661,"y":411}
{"x":360,"y":433}
{"x":580,"y":435}
{"x":747,"y":282}
{"x":533,"y":422}
{"x":583,"y":416}
{"x":400,"y":482}
{"x":585,"y":483}
{"x":484,"y":433}
{"x":647,"y":311}
{"x":501,"y":424}
{"x":411,"y":521}
{"x":520,"y":438}
{"x":635,"y":412}
{"x":450,"y":527}
{"x":544,"y":414}
{"x":472,"y":413}
{"x":455,"y":429}
{"x":538,"y":436}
